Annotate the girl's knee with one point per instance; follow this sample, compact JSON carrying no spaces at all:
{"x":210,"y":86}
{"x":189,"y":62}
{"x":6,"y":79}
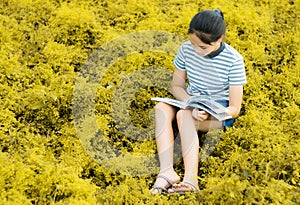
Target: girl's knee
{"x":161,"y":106}
{"x":181,"y":114}
{"x":165,"y":110}
{"x":165,"y":107}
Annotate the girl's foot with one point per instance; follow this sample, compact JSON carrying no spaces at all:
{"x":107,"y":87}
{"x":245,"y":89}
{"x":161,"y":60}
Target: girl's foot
{"x":163,"y":182}
{"x":183,"y":187}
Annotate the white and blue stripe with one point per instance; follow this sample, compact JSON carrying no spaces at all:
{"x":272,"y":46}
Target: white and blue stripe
{"x":210,"y":76}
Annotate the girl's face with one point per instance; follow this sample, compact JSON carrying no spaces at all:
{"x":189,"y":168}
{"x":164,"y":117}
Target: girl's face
{"x":203,"y":49}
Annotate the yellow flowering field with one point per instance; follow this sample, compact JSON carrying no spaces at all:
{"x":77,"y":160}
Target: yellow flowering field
{"x":76,"y":120}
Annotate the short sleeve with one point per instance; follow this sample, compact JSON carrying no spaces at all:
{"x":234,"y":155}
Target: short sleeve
{"x":237,"y":73}
{"x":179,"y":61}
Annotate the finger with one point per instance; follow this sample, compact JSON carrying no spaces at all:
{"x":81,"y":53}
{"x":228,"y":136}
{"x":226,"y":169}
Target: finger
{"x":195,"y":112}
{"x":202,"y":112}
{"x":195,"y":115}
{"x":203,"y":115}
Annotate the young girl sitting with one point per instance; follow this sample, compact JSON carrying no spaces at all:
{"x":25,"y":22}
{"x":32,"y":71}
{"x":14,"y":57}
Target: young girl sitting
{"x":215,"y":71}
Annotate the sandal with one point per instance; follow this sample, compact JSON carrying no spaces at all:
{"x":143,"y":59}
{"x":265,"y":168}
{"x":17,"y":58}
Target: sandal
{"x":183,"y":188}
{"x":156,"y":189}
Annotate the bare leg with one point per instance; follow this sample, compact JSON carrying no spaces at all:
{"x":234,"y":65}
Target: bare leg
{"x":164,"y":115}
{"x":213,"y":127}
{"x":189,"y":144}
{"x":188,"y":127}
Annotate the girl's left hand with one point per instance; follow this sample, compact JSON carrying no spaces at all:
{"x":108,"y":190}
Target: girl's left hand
{"x":199,"y":114}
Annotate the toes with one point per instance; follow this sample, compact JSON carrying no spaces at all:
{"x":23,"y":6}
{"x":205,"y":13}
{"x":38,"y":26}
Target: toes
{"x":154,"y":191}
{"x":181,"y":188}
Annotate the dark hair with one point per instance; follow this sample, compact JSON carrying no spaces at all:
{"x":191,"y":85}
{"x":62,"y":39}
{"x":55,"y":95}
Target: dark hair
{"x":208,"y":25}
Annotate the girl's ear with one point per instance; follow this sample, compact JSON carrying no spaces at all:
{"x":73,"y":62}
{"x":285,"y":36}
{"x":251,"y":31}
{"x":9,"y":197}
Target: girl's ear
{"x":220,"y":39}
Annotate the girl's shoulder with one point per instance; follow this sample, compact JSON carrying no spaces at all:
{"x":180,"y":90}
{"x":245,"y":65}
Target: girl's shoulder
{"x":229,"y":50}
{"x":186,"y":45}
{"x":186,"y":48}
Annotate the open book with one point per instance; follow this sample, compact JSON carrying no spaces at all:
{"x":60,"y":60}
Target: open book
{"x":210,"y":106}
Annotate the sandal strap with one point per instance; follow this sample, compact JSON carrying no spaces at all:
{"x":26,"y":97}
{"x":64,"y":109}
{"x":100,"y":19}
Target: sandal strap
{"x":188,"y":187}
{"x":163,"y":189}
{"x":166,"y":178}
{"x":159,"y":188}
{"x":192,"y":186}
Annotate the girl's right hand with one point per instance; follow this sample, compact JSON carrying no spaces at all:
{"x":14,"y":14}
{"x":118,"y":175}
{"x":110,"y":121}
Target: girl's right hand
{"x":199,"y":114}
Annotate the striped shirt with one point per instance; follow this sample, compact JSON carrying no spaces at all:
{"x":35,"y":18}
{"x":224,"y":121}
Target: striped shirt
{"x":211,"y":75}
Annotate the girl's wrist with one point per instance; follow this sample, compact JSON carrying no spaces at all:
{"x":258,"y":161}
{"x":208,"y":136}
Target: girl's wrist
{"x":186,"y":99}
{"x":229,"y":111}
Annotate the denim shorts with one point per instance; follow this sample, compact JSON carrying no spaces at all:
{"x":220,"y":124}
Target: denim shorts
{"x":229,"y":122}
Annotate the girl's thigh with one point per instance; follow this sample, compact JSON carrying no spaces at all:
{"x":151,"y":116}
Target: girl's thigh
{"x":210,"y":124}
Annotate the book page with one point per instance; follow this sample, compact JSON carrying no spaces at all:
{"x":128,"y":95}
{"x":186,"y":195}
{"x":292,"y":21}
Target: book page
{"x":211,"y":104}
{"x":174,"y":102}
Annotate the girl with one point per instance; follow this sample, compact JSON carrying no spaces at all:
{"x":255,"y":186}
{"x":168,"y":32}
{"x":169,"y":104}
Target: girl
{"x":214,"y":71}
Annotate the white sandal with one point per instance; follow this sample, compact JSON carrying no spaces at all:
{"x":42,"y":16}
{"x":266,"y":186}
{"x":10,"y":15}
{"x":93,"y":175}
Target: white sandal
{"x":160,"y":189}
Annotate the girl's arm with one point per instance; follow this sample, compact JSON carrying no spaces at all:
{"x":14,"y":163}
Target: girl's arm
{"x":178,"y":89}
{"x":178,"y":85}
{"x":235,"y":100}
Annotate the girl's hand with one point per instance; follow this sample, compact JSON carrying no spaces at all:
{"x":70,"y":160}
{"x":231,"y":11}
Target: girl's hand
{"x":199,"y":114}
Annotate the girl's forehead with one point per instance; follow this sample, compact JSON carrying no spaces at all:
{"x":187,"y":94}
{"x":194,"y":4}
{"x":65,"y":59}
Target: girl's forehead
{"x":195,"y":40}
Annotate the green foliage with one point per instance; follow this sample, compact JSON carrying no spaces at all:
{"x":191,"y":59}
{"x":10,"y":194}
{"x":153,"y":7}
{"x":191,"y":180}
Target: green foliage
{"x":46,"y":44}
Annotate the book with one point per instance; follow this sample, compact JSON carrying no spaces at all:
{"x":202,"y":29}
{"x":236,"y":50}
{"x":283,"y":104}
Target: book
{"x":210,"y":106}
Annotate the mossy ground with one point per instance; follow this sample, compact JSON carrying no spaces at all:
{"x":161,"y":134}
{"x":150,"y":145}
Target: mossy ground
{"x":44,"y":46}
